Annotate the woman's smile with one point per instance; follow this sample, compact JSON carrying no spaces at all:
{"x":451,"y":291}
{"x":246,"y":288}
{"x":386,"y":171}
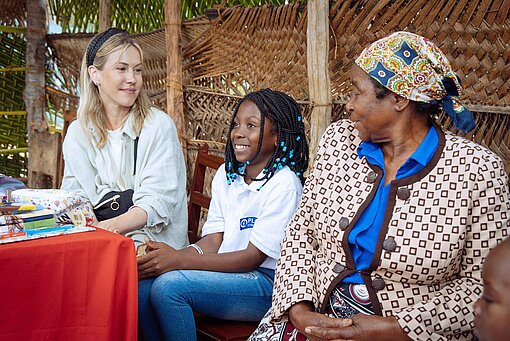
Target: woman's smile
{"x":130,"y":91}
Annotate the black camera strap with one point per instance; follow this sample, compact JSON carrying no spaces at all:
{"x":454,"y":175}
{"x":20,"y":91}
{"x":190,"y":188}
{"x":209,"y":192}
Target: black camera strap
{"x":136,"y":152}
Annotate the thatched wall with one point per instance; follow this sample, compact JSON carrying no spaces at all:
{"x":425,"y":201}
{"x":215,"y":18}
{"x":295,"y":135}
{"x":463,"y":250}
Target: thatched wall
{"x":246,"y":49}
{"x":257,"y":48}
{"x":13,"y":123}
{"x":13,"y":12}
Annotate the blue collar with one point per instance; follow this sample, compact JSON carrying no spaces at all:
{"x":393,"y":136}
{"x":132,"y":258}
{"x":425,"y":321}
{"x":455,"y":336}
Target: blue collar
{"x":422,"y":155}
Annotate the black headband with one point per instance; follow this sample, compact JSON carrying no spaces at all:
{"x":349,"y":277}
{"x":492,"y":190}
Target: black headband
{"x":98,"y":41}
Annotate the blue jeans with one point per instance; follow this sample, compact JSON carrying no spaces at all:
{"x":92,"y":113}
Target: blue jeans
{"x":166,"y":303}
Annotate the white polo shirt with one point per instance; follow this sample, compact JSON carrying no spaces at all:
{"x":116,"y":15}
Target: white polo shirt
{"x":245,"y":214}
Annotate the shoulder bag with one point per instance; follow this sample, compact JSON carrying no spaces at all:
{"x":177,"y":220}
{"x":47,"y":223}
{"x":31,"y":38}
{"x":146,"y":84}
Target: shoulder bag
{"x":116,"y":203}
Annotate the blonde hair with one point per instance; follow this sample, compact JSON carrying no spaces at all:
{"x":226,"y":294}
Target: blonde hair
{"x":90,"y":109}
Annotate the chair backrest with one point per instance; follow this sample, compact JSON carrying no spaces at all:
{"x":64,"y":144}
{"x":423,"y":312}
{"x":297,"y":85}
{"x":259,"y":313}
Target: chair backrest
{"x":197,"y":198}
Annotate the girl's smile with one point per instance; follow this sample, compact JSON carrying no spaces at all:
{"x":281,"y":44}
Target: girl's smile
{"x":240,"y":147}
{"x":249,"y":147}
{"x":241,"y":150}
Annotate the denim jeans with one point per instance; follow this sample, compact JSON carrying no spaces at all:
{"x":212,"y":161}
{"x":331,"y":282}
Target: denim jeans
{"x":166,"y":303}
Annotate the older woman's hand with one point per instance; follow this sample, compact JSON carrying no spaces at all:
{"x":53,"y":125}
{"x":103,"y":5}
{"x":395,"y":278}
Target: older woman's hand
{"x":363,"y":327}
{"x":302,"y":316}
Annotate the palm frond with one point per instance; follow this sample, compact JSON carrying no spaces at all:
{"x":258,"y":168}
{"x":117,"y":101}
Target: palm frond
{"x":134,"y":16}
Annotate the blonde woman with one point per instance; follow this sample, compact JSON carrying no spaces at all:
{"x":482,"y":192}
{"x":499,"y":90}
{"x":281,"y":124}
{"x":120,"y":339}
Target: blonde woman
{"x":122,"y":153}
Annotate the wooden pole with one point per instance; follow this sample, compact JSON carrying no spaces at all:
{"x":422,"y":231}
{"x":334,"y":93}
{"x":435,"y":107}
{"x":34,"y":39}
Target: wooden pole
{"x":174,"y":90}
{"x":318,"y":71}
{"x":105,"y":14}
{"x":34,"y":93}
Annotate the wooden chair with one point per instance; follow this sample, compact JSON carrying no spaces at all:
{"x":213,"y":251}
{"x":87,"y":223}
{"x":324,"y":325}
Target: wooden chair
{"x":197,"y":198}
{"x":209,"y":328}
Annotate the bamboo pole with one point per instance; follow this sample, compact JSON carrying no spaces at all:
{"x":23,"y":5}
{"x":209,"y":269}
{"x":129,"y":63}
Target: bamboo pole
{"x":12,"y":69}
{"x":318,"y":71}
{"x":13,"y":151}
{"x":11,"y":29}
{"x":13,"y":113}
{"x":174,"y":91}
{"x":105,"y":14}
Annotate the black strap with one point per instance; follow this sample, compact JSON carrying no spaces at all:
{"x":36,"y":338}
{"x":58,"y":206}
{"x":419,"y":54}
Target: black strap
{"x":136,"y":152}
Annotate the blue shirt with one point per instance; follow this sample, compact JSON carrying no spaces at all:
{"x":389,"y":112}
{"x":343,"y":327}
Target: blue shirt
{"x":364,"y":235}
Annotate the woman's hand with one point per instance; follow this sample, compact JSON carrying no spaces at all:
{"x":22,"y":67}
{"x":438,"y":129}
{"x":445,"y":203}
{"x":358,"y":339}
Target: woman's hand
{"x":360,"y":327}
{"x":133,"y":219}
{"x":303,"y":317}
{"x":109,"y":225}
{"x":160,"y":258}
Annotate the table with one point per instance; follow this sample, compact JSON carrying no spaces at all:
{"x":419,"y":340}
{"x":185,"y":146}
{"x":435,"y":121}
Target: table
{"x":80,"y":286}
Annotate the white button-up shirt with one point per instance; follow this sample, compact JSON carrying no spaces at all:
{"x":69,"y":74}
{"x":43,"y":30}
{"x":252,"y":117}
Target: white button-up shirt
{"x":159,"y":183}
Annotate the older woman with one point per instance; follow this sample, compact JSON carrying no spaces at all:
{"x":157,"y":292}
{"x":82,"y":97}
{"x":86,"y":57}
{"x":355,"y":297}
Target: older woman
{"x":123,"y":154}
{"x":397,"y":216}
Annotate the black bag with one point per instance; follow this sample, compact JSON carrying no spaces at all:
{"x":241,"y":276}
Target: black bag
{"x":116,"y":203}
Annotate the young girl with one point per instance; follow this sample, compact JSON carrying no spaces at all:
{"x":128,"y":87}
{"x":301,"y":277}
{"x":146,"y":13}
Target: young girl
{"x":229,"y":273}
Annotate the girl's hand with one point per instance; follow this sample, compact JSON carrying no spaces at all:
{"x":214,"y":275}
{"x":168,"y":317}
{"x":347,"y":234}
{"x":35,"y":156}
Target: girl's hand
{"x":160,"y":258}
{"x":362,"y":328}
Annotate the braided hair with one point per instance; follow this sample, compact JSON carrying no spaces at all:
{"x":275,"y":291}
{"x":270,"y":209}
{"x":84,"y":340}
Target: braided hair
{"x":292,"y":146}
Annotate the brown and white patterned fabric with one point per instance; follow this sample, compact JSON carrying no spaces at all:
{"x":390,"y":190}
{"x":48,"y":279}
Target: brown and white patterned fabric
{"x":439,"y":226}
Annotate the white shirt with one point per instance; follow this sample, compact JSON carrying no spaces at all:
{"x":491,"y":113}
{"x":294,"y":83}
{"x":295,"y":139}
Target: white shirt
{"x":159,"y":183}
{"x":245,"y":214}
{"x":114,"y":150}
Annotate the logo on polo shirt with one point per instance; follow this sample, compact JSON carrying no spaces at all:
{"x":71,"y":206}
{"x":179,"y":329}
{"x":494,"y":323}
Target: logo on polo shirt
{"x":247,"y":223}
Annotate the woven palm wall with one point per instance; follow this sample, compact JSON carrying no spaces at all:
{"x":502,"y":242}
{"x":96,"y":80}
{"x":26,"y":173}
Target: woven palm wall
{"x":13,"y":12}
{"x":68,"y":50}
{"x":475,"y":36}
{"x":12,"y":125}
{"x":259,"y":47}
{"x":243,"y":49}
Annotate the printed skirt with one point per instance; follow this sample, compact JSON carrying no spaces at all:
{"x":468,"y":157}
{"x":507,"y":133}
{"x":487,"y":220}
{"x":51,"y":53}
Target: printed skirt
{"x":345,"y":301}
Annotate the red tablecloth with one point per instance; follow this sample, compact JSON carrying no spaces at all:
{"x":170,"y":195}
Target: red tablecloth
{"x":80,"y":286}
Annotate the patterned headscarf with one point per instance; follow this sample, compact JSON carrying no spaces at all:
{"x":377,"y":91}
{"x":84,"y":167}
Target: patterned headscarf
{"x":413,"y":67}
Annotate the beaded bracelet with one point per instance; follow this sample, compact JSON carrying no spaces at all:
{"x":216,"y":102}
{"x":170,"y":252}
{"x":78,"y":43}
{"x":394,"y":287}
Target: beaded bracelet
{"x":198,"y":248}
